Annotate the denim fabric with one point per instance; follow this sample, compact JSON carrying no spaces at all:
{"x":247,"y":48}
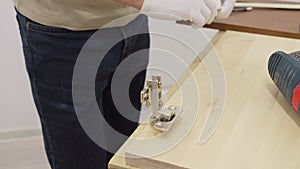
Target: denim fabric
{"x":50,"y":56}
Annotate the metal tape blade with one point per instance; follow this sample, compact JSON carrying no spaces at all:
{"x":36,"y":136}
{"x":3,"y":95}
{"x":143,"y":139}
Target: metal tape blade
{"x":268,"y":5}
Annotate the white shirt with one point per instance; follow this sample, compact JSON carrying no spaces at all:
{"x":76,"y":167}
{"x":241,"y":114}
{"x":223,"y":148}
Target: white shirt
{"x":73,"y":14}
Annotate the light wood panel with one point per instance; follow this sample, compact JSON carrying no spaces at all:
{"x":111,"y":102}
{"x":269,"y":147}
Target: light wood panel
{"x":259,"y":128}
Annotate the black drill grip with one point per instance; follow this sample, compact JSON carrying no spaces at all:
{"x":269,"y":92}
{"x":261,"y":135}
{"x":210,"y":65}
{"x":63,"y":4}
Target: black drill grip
{"x":284,"y":69}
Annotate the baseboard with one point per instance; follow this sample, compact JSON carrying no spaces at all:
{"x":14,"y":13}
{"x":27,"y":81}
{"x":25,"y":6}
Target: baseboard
{"x":20,"y":134}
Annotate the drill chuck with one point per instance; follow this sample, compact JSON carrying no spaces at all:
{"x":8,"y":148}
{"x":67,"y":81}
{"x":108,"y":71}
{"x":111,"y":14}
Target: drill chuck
{"x":284,"y":69}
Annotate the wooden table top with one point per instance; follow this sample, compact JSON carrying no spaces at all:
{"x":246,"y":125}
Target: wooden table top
{"x":259,"y":129}
{"x":275,"y":22}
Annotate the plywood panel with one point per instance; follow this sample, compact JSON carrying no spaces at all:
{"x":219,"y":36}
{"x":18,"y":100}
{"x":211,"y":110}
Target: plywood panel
{"x":275,"y":22}
{"x":259,"y":128}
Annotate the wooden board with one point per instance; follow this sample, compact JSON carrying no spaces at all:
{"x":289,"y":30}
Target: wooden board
{"x":259,"y":128}
{"x":283,"y":23}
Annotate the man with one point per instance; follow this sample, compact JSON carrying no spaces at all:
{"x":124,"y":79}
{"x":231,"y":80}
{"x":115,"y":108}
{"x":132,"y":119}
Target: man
{"x":54,"y":32}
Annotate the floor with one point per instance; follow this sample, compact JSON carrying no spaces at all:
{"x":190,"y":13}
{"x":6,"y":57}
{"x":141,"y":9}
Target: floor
{"x":23,"y":154}
{"x":24,"y":149}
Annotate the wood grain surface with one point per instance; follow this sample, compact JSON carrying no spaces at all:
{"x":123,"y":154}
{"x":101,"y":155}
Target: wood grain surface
{"x":275,"y":22}
{"x":259,"y":129}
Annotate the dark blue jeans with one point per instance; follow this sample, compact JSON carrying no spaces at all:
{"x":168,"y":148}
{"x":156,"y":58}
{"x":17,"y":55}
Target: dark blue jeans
{"x":50,"y":56}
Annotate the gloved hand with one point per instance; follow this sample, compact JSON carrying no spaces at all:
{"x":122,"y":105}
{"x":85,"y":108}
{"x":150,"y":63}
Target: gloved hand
{"x":199,"y":12}
{"x":226,"y":9}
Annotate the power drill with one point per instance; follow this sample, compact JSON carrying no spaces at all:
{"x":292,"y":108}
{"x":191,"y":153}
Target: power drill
{"x":284,"y":69}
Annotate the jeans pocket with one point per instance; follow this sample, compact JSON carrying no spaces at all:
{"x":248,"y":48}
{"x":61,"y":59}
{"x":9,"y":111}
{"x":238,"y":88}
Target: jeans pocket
{"x":37,"y":27}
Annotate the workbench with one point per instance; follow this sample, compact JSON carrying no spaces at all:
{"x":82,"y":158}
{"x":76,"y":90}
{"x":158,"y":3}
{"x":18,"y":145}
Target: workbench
{"x":259,"y":129}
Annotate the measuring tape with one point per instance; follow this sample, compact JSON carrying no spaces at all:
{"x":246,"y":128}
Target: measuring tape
{"x":268,"y":5}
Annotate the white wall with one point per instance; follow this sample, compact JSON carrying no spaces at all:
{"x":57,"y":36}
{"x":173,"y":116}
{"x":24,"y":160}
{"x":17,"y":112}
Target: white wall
{"x":17,"y":110}
{"x":16,"y":105}
{"x":174,"y":47}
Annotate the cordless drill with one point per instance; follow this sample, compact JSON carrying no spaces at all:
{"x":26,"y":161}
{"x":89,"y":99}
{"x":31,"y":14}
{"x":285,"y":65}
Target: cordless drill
{"x":284,"y":69}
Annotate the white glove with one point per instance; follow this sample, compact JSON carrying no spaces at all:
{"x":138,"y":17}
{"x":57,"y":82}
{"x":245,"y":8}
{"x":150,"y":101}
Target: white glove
{"x":226,"y":9}
{"x":199,"y":12}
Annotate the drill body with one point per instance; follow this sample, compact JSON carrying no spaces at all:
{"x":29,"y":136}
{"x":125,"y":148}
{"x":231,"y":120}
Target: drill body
{"x":284,"y":69}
